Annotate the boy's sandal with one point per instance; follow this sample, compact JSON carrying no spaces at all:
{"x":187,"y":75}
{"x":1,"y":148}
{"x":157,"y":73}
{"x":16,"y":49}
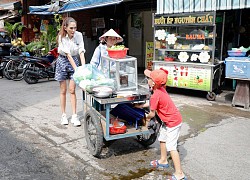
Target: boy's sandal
{"x":156,"y":164}
{"x":175,"y":178}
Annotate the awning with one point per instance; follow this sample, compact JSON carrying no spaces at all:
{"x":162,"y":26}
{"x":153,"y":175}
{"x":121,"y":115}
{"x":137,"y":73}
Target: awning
{"x":44,"y":9}
{"x":77,"y":5}
{"x":182,"y":6}
{"x":10,"y":6}
{"x":8,"y":15}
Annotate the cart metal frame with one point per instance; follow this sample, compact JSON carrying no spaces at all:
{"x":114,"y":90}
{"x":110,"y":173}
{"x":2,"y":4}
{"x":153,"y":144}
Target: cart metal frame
{"x":103,"y":120}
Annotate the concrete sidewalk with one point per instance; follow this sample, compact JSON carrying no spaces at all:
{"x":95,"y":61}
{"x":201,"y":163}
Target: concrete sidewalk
{"x":214,"y":142}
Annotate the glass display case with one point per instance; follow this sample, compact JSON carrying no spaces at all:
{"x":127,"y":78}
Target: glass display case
{"x":184,"y":38}
{"x":123,"y":71}
{"x":184,"y":44}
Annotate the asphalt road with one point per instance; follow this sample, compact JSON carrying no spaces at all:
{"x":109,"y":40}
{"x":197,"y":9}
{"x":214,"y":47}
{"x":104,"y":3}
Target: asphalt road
{"x":214,"y":142}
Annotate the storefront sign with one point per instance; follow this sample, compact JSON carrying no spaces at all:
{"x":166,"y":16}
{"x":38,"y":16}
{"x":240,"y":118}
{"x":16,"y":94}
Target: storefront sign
{"x":189,"y":19}
{"x":149,"y":55}
{"x":195,"y":36}
{"x":187,"y":76}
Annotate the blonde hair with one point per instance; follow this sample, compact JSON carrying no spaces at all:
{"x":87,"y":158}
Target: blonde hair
{"x":62,"y":33}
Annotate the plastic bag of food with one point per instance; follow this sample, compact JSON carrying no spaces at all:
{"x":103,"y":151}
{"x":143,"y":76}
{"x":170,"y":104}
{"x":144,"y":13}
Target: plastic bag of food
{"x":87,"y":83}
{"x":82,"y":73}
{"x":97,"y":74}
{"x":106,"y":81}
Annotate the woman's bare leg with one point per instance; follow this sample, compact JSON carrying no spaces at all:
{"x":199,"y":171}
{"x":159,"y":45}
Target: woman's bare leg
{"x":63,"y":90}
{"x":72,"y":87}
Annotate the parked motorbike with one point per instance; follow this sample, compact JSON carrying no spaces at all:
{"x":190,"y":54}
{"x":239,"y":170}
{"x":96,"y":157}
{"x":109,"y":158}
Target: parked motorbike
{"x":14,"y":54}
{"x":40,"y":68}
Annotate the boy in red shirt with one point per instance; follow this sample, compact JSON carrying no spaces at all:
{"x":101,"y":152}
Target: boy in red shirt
{"x":161,"y":103}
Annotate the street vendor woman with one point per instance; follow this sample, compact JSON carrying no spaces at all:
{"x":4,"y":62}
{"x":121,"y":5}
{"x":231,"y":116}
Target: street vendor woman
{"x":70,"y":45}
{"x":107,"y":40}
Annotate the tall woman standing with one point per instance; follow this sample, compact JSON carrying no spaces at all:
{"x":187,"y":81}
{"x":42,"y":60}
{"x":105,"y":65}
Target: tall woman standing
{"x":70,"y":45}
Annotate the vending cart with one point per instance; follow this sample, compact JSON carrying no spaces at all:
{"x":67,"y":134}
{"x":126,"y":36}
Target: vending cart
{"x":184,"y":44}
{"x":118,"y":104}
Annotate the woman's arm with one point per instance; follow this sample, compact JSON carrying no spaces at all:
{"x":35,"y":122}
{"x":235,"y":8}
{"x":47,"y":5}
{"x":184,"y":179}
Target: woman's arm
{"x":81,"y":49}
{"x":71,"y":60}
{"x":82,"y":57}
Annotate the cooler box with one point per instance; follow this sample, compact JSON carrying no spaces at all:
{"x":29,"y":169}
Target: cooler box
{"x":237,"y":68}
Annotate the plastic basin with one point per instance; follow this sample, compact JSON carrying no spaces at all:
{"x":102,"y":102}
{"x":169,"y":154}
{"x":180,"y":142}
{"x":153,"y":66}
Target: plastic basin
{"x":118,"y":54}
{"x":236,"y":53}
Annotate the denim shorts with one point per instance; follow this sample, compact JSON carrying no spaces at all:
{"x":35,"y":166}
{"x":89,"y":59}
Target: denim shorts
{"x":64,"y":69}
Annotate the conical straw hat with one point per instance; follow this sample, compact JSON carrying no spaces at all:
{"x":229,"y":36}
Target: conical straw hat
{"x":111,"y":33}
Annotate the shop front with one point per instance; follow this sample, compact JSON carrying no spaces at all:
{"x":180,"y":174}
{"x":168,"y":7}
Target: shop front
{"x":189,"y":42}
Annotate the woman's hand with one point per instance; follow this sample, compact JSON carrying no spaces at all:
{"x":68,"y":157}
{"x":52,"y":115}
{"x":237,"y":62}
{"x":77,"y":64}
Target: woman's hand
{"x":71,"y":60}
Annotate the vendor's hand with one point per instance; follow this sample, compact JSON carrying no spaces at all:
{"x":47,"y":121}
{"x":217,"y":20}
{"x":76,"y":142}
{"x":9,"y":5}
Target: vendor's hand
{"x":1,"y":44}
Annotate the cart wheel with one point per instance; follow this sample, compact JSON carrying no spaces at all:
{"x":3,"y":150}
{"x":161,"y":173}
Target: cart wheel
{"x":93,"y":133}
{"x":146,"y":139}
{"x":211,"y":96}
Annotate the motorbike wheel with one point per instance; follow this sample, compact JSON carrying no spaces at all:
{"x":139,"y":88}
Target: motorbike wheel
{"x":4,"y":71}
{"x":29,"y":78}
{"x":14,"y":70}
{"x":146,"y":139}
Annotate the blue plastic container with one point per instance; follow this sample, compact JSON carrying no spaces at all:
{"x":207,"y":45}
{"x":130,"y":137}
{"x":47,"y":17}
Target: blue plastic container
{"x":236,"y":53}
{"x":130,"y":114}
{"x":237,"y":69}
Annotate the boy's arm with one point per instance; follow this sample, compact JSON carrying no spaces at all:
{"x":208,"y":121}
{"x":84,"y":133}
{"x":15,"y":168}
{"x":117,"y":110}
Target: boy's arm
{"x":150,"y":115}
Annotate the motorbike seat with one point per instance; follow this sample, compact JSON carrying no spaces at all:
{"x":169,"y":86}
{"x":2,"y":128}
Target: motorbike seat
{"x":38,"y":59}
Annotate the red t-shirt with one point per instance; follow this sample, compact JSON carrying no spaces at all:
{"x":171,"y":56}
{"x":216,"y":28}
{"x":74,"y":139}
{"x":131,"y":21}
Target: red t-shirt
{"x":165,"y":107}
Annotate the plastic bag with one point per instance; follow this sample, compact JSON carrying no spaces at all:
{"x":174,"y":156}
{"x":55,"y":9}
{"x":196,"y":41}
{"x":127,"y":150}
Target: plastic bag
{"x":82,"y":73}
{"x":97,"y":74}
{"x":107,"y":82}
{"x":84,"y":83}
{"x":89,"y":75}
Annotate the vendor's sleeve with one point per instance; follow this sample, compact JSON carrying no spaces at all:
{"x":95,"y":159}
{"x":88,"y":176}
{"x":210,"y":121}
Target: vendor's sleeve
{"x":62,"y":47}
{"x":95,"y":60}
{"x":81,"y":44}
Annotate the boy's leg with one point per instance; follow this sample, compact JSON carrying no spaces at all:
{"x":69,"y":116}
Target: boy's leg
{"x":171,"y":144}
{"x":177,"y":164}
{"x":162,"y":138}
{"x":163,"y":159}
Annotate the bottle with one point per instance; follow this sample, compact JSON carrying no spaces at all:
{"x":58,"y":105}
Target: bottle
{"x":116,"y":122}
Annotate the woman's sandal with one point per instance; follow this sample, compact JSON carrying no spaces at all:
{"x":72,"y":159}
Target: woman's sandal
{"x":156,"y":164}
